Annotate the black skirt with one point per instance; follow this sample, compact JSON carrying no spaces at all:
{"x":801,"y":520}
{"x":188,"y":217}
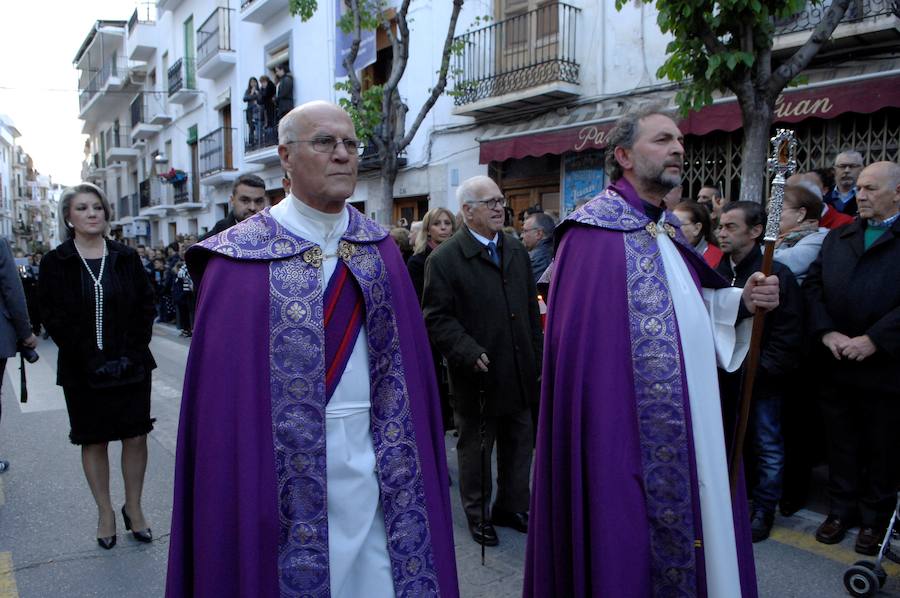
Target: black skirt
{"x":97,"y":416}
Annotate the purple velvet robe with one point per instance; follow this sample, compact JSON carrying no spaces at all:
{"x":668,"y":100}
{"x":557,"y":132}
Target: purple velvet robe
{"x":604,"y":521}
{"x":249,"y":514}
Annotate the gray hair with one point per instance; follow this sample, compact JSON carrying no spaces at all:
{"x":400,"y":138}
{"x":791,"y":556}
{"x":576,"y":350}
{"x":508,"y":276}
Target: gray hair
{"x":624,"y":134}
{"x":851,"y":153}
{"x":465,"y":193}
{"x":287,"y":127}
{"x":543,"y":221}
{"x":65,"y":204}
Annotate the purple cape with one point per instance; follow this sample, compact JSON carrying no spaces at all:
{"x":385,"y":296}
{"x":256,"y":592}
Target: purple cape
{"x":249,"y":516}
{"x":604,"y":521}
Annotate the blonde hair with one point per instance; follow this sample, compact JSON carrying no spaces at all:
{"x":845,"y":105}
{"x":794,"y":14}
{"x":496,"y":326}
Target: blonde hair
{"x":65,"y":205}
{"x":430,"y":216}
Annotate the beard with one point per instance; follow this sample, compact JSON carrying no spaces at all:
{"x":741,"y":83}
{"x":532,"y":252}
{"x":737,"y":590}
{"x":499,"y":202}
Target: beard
{"x":656,"y":176}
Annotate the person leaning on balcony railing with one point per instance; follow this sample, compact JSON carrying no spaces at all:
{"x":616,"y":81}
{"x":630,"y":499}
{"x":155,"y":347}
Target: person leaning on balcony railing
{"x":252,"y":97}
{"x":248,"y":196}
{"x":267,"y":106}
{"x":284,"y":91}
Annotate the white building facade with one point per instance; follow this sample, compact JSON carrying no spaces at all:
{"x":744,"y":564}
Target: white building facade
{"x":535,"y":89}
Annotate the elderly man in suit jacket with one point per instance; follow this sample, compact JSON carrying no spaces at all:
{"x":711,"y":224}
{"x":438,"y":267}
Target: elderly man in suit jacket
{"x":854,"y":311}
{"x":15,"y":327}
{"x":480,"y":306}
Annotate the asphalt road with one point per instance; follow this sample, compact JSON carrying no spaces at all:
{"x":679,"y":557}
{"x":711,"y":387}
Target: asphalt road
{"x":48,"y":519}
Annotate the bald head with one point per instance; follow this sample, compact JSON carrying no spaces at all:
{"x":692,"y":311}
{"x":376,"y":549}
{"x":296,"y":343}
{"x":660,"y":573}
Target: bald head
{"x":317,"y":144}
{"x":878,"y":191}
{"x":808,"y":180}
{"x":291,"y":125}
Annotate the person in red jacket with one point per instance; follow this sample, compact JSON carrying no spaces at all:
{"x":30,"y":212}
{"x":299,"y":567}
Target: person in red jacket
{"x":697,"y":228}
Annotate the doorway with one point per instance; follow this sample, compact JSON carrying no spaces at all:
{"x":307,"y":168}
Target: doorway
{"x":409,"y":209}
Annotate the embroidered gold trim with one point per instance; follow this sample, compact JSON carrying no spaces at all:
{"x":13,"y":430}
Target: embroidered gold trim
{"x":652,"y":229}
{"x":313,"y":257}
{"x":346,"y":250}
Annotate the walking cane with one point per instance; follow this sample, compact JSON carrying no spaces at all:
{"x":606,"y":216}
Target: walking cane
{"x":782,"y":164}
{"x":23,"y":396}
{"x":482,"y":432}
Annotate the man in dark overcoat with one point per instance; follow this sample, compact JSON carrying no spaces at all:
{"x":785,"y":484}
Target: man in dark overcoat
{"x":480,"y":306}
{"x":853,"y":292}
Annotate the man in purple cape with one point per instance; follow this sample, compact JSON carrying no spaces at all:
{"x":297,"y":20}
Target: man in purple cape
{"x":310,"y":450}
{"x":631,"y":493}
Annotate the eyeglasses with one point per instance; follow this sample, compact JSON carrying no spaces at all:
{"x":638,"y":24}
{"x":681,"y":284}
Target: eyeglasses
{"x":492,"y":202}
{"x":528,"y":230}
{"x":327,"y":145}
{"x":847,"y":166}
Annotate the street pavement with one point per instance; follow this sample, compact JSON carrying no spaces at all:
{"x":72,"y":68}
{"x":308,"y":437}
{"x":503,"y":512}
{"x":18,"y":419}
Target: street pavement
{"x":48,"y":519}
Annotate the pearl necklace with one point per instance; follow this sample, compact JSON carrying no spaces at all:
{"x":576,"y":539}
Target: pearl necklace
{"x":98,"y":293}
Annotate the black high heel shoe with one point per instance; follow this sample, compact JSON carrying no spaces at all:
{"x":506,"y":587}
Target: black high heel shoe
{"x":141,"y":536}
{"x":107,"y":543}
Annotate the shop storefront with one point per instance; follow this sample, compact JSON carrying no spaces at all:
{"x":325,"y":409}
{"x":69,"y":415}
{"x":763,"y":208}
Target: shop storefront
{"x":556,"y":160}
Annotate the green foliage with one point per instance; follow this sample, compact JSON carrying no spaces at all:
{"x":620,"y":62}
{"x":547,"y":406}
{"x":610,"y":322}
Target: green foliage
{"x":305,"y":9}
{"x":735,"y":29}
{"x":366,"y":116}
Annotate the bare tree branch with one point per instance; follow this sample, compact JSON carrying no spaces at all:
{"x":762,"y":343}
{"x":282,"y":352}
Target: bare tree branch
{"x":350,"y":58}
{"x":802,"y":57}
{"x":438,"y":89}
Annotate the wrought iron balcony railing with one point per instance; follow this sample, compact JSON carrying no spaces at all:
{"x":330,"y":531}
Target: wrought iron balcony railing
{"x":858,"y":10}
{"x":182,"y":75}
{"x":216,"y":151}
{"x":87,"y":93}
{"x":259,"y":133}
{"x":517,"y":53}
{"x":128,"y":206}
{"x":144,"y":13}
{"x":182,"y":193}
{"x":214,"y":35}
{"x":118,"y":137}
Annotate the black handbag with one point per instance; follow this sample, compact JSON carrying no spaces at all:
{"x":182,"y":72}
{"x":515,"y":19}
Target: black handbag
{"x":116,"y":372}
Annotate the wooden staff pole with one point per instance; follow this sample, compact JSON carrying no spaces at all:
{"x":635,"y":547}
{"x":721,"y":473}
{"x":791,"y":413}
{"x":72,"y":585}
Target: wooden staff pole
{"x":782,"y":163}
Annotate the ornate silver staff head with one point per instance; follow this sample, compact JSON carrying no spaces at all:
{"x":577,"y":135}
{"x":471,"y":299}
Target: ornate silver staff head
{"x":782,"y":164}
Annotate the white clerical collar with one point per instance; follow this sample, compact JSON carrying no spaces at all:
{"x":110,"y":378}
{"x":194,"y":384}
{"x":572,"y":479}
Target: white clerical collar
{"x":484,"y":240}
{"x":322,"y":228}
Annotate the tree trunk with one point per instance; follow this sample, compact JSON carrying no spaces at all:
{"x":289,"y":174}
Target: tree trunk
{"x":384,"y":212}
{"x":757,"y":121}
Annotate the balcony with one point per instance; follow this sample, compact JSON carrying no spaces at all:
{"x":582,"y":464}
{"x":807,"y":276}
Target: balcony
{"x":148,"y":115}
{"x":182,"y":81}
{"x":182,"y":198}
{"x":141,"y":39}
{"x":369,"y":159}
{"x":215,"y":56}
{"x":154,"y":198}
{"x":128,"y":207}
{"x":216,"y":161}
{"x":170,"y":5}
{"x":118,"y":146}
{"x":260,"y":11}
{"x":865,"y":23}
{"x":260,"y":140}
{"x":100,"y":95}
{"x":522,"y":62}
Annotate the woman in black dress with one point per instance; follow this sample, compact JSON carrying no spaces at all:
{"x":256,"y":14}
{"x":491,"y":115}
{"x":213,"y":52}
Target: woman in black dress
{"x":97,"y":304}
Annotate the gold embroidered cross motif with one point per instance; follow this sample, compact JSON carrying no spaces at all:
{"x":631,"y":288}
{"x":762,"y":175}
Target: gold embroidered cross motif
{"x":313,"y":257}
{"x":346,"y":250}
{"x":670,"y":230}
{"x":652,"y":229}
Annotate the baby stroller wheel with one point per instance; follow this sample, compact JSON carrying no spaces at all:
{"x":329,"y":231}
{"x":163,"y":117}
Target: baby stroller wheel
{"x":874,"y":568}
{"x":860,"y":581}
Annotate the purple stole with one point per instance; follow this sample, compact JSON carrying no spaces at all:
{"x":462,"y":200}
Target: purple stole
{"x":312,"y":334}
{"x":344,"y":308}
{"x":663,"y":412}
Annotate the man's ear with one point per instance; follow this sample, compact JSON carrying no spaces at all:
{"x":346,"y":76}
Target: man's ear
{"x":283,"y":153}
{"x":623,"y":157}
{"x":757,"y":231}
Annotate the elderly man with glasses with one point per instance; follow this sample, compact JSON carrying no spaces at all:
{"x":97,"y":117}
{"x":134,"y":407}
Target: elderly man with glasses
{"x":310,"y":456}
{"x":842,"y":198}
{"x":481,"y":311}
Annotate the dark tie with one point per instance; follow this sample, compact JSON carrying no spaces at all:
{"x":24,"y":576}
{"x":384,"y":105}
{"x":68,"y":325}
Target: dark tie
{"x":493,"y":253}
